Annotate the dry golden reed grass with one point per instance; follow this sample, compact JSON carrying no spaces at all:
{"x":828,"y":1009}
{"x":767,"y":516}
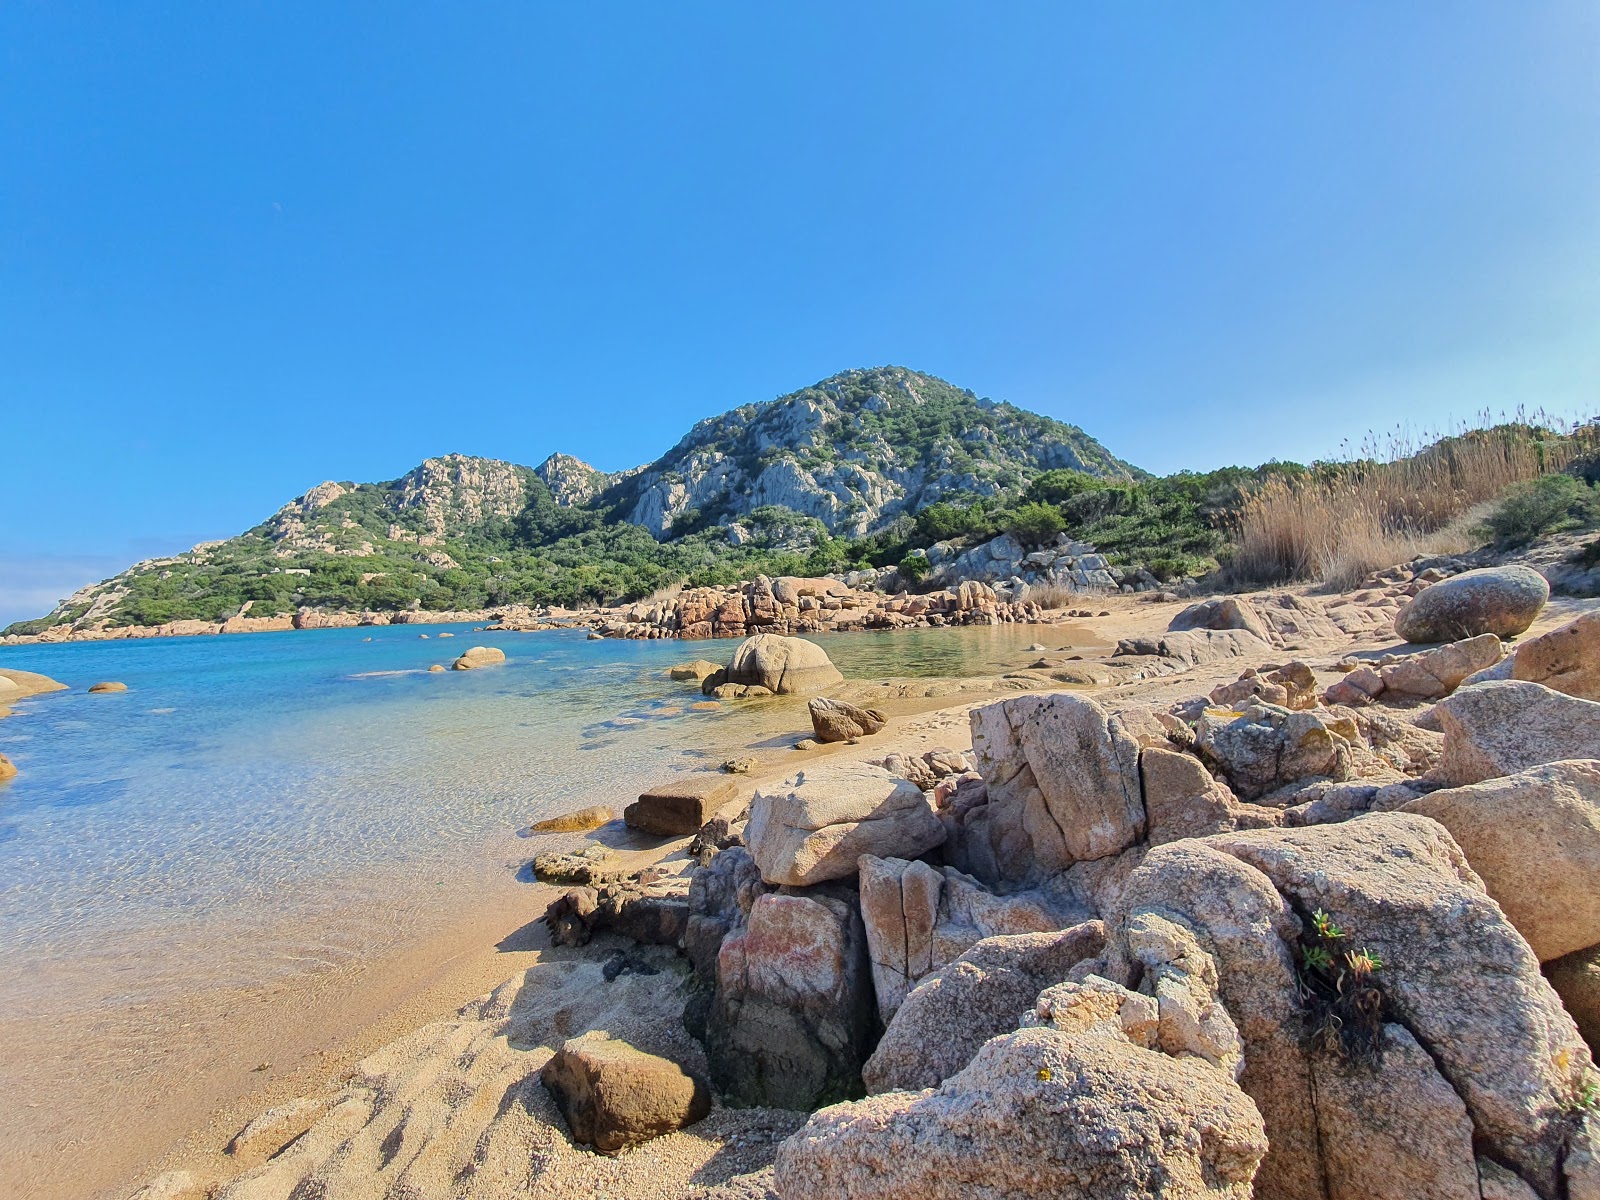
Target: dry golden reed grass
{"x":1398,"y":499}
{"x":1053,"y":595}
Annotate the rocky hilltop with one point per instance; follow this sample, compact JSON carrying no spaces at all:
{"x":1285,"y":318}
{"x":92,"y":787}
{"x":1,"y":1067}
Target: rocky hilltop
{"x":854,"y":451}
{"x":799,"y":475}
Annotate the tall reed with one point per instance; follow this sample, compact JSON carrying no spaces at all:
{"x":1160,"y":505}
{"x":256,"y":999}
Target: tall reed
{"x":1398,"y":498}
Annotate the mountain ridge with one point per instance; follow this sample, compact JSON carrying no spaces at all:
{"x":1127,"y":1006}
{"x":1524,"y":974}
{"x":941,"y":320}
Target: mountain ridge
{"x":842,"y":459}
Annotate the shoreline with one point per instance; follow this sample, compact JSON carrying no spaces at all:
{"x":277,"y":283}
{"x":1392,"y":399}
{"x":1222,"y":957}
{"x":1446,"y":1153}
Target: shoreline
{"x":314,"y":1028}
{"x":442,"y":978}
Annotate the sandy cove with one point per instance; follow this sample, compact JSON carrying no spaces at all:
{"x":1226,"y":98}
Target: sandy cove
{"x":454,"y":1107}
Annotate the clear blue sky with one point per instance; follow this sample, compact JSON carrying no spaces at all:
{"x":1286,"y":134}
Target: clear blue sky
{"x":246,"y":247}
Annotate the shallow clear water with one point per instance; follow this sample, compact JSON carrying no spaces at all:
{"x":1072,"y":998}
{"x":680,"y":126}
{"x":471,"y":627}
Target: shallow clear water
{"x":275,"y":801}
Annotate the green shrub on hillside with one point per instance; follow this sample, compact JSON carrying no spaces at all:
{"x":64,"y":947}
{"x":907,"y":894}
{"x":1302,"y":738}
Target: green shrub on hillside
{"x":1546,"y":505}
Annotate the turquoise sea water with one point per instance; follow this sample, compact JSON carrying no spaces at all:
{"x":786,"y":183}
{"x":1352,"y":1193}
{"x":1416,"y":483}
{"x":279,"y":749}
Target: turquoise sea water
{"x":268,"y":803}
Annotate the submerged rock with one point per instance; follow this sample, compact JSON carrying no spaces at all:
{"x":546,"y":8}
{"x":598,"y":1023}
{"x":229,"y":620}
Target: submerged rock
{"x":1500,"y":600}
{"x":8,"y":769}
{"x":786,"y":666}
{"x":580,"y":821}
{"x":100,"y":689}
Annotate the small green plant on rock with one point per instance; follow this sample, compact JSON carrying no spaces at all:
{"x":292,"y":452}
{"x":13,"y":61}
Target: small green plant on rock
{"x":1339,"y":987}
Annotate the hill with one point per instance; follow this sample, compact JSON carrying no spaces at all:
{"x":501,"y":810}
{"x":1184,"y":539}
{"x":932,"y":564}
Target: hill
{"x":822,"y":479}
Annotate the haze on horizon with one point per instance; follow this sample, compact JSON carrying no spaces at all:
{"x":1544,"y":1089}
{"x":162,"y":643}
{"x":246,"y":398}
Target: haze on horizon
{"x":246,"y":250}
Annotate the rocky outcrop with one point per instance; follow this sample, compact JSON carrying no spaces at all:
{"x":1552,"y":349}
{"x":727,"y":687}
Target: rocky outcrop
{"x":1265,"y":747}
{"x":1039,"y":1112}
{"x":1500,"y":600}
{"x":792,"y":1011}
{"x":820,"y":822}
{"x":1534,"y":840}
{"x":947,"y":1017}
{"x":1182,"y":800}
{"x":841,"y":721}
{"x":785,"y":666}
{"x":899,"y":909}
{"x":679,"y":807}
{"x":1565,"y":659}
{"x":614,"y":1096}
{"x":1062,"y":787}
{"x":1505,"y":726}
{"x":1394,"y":1131}
{"x":1221,"y":612}
{"x":1401,"y":890}
{"x":1429,"y":675}
{"x":479,"y":656}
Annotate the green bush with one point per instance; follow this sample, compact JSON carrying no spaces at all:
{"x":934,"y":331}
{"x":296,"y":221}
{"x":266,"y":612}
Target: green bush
{"x":913,"y":568}
{"x":1546,"y":505}
{"x":1034,"y":523}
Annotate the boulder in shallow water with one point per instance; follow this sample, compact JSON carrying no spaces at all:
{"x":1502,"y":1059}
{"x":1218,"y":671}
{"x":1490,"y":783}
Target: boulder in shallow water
{"x":1500,"y":600}
{"x":101,"y":689}
{"x":679,"y":807}
{"x":693,"y":672}
{"x":840,"y":721}
{"x":8,"y":769}
{"x":614,"y":1096}
{"x":479,"y":656}
{"x":786,"y":666}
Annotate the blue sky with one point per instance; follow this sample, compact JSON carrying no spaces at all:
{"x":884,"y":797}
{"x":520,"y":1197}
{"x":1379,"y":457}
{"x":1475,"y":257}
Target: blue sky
{"x":248,"y":247}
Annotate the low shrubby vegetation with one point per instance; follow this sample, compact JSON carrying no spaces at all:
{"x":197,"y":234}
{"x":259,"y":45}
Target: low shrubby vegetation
{"x":1333,"y":522}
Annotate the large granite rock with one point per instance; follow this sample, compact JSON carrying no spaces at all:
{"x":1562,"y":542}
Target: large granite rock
{"x":1265,"y":747}
{"x":817,"y":824}
{"x":1505,"y":726}
{"x":1395,"y":1130}
{"x":1534,"y":840}
{"x":1454,"y":971}
{"x":1182,"y":800}
{"x":1566,"y":659}
{"x":1038,"y":1112}
{"x":679,"y":807}
{"x":786,"y":666}
{"x":614,"y":1096}
{"x":1221,"y":612}
{"x":1248,"y":929}
{"x":479,"y":656}
{"x":840,"y":721}
{"x":899,"y":908}
{"x":1500,"y":600}
{"x":792,"y":1014}
{"x":1063,"y":786}
{"x":949,"y":1015}
{"x":1438,"y":672}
